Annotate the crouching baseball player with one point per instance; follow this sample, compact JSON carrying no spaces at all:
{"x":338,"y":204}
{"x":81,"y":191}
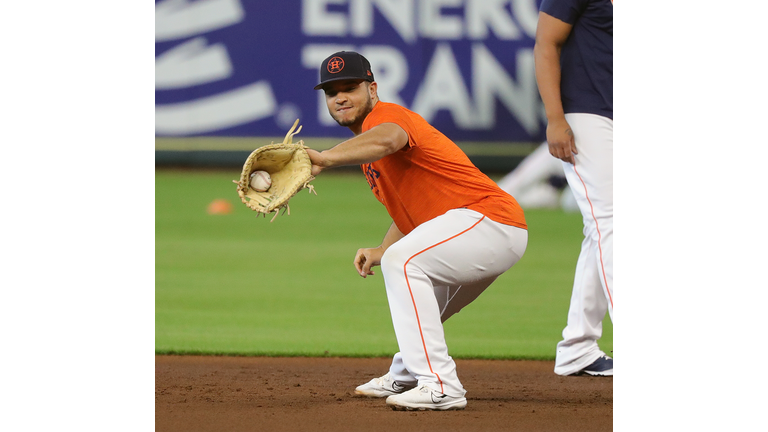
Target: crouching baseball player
{"x":453,"y":231}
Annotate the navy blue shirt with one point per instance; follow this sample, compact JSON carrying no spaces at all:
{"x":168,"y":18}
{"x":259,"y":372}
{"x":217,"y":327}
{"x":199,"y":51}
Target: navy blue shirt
{"x":586,"y":61}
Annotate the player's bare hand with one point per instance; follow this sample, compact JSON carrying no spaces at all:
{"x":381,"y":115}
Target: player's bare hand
{"x":316,"y":159}
{"x":367,"y":258}
{"x":562,"y":144}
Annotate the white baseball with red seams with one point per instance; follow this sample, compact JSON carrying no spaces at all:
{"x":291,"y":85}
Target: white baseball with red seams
{"x":260,"y":181}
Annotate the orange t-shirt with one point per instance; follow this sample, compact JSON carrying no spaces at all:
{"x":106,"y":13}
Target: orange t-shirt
{"x":431,"y":175}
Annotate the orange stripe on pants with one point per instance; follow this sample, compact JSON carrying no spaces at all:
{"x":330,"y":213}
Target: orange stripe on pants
{"x":413,"y":300}
{"x":599,"y":236}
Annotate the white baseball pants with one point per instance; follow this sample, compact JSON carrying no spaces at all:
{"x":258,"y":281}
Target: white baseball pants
{"x":430,"y":275}
{"x":591,"y":181}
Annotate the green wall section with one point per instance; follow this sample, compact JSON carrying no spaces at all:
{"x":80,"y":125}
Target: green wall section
{"x":230,"y":152}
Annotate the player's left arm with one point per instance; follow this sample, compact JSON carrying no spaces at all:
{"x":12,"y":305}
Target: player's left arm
{"x":380,"y":141}
{"x":369,"y":257}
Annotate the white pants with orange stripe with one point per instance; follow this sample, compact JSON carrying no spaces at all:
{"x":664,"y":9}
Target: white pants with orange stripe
{"x":431,"y":274}
{"x":591,"y":181}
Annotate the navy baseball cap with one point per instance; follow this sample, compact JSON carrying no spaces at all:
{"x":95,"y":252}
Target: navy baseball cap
{"x":344,"y":65}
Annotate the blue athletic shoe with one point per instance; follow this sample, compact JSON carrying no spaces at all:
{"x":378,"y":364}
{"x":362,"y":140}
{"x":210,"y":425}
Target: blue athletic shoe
{"x":603,"y":366}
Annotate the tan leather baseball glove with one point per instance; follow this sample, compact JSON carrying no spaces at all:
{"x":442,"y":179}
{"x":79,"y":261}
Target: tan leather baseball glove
{"x":289,"y":167}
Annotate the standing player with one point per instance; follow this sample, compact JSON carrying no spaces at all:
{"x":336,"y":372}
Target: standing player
{"x":574,"y":70}
{"x":453,"y":230}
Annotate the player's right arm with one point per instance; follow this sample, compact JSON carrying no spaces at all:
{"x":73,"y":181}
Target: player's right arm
{"x":551,"y":34}
{"x":369,"y":257}
{"x":380,"y":141}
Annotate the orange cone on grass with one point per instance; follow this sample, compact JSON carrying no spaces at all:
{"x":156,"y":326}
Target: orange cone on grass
{"x":220,"y":206}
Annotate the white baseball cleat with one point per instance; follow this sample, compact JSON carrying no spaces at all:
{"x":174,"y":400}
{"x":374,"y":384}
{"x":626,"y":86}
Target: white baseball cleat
{"x":382,"y":387}
{"x":424,"y":398}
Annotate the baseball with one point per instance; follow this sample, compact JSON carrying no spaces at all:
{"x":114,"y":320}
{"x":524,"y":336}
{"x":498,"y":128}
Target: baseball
{"x":260,"y":181}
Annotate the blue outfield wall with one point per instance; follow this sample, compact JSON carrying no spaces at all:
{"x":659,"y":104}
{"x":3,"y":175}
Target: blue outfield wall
{"x":238,"y":68}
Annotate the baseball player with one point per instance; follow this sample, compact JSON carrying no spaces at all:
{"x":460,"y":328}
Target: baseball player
{"x":574,"y":69}
{"x":453,"y":231}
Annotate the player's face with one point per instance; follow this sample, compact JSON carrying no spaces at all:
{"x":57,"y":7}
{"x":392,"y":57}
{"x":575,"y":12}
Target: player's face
{"x":349,"y":101}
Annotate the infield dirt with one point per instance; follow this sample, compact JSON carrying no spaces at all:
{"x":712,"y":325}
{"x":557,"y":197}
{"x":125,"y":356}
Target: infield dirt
{"x":210,"y":393}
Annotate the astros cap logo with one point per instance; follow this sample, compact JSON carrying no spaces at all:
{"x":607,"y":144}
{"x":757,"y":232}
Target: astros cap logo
{"x":344,"y":65}
{"x":335,"y":65}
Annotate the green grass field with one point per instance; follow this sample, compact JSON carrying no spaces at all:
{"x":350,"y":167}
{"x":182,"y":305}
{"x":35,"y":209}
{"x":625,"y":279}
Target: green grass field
{"x":240,"y":285}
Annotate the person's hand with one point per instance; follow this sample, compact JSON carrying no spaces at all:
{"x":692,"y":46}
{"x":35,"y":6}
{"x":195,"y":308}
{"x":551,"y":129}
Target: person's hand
{"x":316,"y":159}
{"x":367,"y":258}
{"x":560,"y":139}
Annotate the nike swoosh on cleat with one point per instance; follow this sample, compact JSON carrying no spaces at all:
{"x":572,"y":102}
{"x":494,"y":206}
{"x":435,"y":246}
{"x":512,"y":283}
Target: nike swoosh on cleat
{"x":397,"y":387}
{"x":433,"y":398}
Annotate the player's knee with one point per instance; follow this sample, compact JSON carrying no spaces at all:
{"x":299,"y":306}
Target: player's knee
{"x":393,"y":258}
